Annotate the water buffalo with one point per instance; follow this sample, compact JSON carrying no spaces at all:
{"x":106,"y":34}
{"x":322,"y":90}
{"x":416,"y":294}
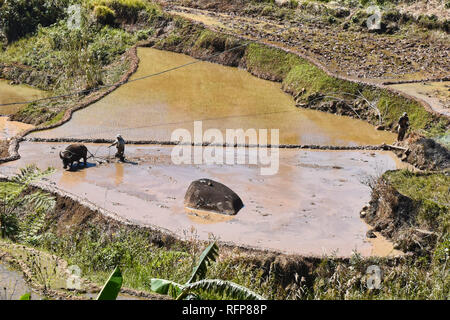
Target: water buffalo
{"x":73,"y":153}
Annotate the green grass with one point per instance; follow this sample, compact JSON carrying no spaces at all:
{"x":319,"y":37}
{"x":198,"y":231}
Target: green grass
{"x":269,"y":61}
{"x":411,"y":279}
{"x":49,"y":49}
{"x":21,"y":17}
{"x":431,"y":193}
{"x":392,"y":106}
{"x":139,"y":260}
{"x":55,"y":119}
{"x":75,"y":60}
{"x":79,"y":59}
{"x":433,"y":186}
{"x":298,"y":75}
{"x":124,"y":10}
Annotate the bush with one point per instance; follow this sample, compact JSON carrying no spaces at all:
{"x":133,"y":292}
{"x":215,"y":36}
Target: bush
{"x":104,"y":15}
{"x":124,"y":10}
{"x":20,"y":17}
{"x":293,"y":4}
{"x":429,"y":22}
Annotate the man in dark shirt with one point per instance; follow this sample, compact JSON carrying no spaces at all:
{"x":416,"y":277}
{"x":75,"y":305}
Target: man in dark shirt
{"x":403,"y":125}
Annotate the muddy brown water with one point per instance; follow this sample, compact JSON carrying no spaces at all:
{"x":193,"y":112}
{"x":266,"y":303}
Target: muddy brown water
{"x":311,"y":206}
{"x":223,"y":97}
{"x":16,"y":93}
{"x":13,"y":284}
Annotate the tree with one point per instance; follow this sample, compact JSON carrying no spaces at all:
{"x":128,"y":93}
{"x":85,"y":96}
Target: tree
{"x":20,"y":17}
{"x":35,"y":205}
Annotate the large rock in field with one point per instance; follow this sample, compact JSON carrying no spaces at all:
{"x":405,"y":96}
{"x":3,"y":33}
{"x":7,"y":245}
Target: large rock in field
{"x":210,"y":195}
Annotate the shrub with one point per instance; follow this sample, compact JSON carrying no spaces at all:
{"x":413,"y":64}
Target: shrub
{"x":293,"y":4}
{"x":20,"y":17}
{"x":104,"y":15}
{"x":124,"y":10}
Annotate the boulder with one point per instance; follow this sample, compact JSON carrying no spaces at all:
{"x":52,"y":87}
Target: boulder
{"x":210,"y":195}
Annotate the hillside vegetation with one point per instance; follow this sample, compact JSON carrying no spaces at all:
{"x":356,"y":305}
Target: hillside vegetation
{"x":50,"y":55}
{"x":91,"y":56}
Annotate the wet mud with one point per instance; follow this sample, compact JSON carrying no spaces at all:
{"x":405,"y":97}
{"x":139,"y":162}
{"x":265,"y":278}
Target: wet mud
{"x":14,"y":93}
{"x":9,"y":129}
{"x":310,"y":207}
{"x":436,"y":94}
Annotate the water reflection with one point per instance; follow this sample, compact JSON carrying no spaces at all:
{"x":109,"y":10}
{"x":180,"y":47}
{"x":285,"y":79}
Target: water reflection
{"x":223,"y":97}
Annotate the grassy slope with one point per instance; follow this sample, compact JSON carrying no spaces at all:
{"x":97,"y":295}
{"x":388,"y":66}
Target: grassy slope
{"x":104,"y":44}
{"x":64,"y":64}
{"x":79,"y":59}
{"x":97,"y":253}
{"x":297,"y":75}
{"x":431,"y":191}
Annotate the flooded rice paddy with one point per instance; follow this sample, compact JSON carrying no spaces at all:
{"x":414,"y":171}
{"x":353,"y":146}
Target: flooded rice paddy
{"x":222,"y":97}
{"x":9,"y":94}
{"x":311,"y":206}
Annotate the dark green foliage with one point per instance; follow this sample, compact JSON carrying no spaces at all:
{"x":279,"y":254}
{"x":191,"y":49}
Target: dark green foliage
{"x":197,"y":284}
{"x":223,"y":288}
{"x":209,"y":255}
{"x":20,"y":17}
{"x":111,"y":288}
{"x":22,"y":216}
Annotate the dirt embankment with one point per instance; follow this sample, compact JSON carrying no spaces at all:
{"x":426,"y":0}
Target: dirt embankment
{"x":4,"y":145}
{"x":21,"y":74}
{"x":424,"y":153}
{"x":411,"y":224}
{"x":73,"y":215}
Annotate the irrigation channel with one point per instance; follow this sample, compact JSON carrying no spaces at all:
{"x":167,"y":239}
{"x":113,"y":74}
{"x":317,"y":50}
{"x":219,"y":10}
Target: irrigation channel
{"x":310,"y":206}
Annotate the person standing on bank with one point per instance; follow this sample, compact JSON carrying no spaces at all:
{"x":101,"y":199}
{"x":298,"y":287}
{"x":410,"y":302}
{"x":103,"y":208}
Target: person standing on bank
{"x":120,"y":145}
{"x":403,"y":125}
